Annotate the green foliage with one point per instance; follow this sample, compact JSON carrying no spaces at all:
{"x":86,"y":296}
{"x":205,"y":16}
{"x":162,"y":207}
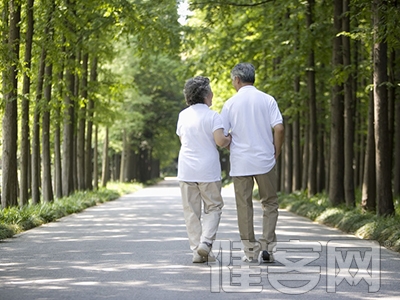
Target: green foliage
{"x":14,"y":220}
{"x":365,"y":225}
{"x":150,"y":104}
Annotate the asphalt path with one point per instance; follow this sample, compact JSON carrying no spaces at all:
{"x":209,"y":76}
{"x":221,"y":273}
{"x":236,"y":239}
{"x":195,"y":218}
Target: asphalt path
{"x":136,"y":247}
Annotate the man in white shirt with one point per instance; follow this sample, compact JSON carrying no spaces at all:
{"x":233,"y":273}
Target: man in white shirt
{"x":255,"y":123}
{"x":199,"y":170}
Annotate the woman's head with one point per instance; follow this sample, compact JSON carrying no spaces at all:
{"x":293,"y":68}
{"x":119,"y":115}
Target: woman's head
{"x":196,"y":90}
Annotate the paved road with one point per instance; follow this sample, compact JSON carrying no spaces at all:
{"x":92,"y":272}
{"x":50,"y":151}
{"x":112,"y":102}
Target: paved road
{"x":136,"y":248}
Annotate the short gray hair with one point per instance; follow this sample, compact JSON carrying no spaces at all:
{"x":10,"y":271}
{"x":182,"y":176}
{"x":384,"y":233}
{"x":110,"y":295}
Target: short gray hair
{"x":196,"y":90}
{"x":245,"y":71}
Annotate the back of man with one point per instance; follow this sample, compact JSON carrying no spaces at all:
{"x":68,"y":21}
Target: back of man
{"x":255,"y":124}
{"x":251,"y":115}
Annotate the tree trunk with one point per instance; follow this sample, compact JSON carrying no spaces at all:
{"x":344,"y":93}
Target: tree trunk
{"x":46,"y":81}
{"x":95,"y":159}
{"x":312,"y":107}
{"x":47,"y":188}
{"x":106,"y":162}
{"x":321,"y":169}
{"x":80,"y":155}
{"x":88,"y":158}
{"x":9,"y":174}
{"x":288,"y":182}
{"x":124,"y":157}
{"x":396,"y":186}
{"x":25,"y":136}
{"x":296,"y":145}
{"x":368,"y":197}
{"x":336,"y":168}
{"x":382,"y":139}
{"x":348,"y":112}
{"x":68,"y":135}
{"x":36,"y":131}
{"x":306,"y":157}
{"x":57,"y":141}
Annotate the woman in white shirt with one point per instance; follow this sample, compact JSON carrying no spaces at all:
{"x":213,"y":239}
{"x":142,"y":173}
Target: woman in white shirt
{"x":200,"y":131}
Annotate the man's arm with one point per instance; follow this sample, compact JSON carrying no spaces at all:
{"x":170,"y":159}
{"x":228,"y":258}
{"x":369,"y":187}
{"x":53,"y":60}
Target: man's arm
{"x":279,"y":137}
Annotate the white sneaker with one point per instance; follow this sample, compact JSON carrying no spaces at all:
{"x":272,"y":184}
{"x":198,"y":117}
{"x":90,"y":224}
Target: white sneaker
{"x":203,"y":249}
{"x":197,"y":258}
{"x":249,"y":260}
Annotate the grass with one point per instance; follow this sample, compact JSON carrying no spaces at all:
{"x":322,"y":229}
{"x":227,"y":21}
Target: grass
{"x":14,"y":220}
{"x":365,"y":225}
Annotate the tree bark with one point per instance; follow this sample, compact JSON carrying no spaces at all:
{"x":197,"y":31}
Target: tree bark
{"x":36,"y":131}
{"x":124,"y":156}
{"x":296,"y":145}
{"x":288,"y":182}
{"x":68,"y":135}
{"x":348,"y":112}
{"x":382,"y":142}
{"x":95,"y":159}
{"x":47,"y":187}
{"x":57,"y":140}
{"x":90,"y":114}
{"x":306,"y":157}
{"x":368,"y":197}
{"x":106,"y":162}
{"x":312,"y":109}
{"x":396,"y":186}
{"x":25,"y":136}
{"x":9,"y":192}
{"x":80,"y":155}
{"x":336,"y":168}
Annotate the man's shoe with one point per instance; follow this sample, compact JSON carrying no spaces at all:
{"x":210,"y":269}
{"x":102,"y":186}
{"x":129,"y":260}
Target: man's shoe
{"x":204,"y":249}
{"x":267,"y":257}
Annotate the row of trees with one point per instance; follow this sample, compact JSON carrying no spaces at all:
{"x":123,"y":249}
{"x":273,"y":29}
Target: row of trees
{"x":333,"y":67}
{"x":64,"y":84}
{"x":77,"y":72}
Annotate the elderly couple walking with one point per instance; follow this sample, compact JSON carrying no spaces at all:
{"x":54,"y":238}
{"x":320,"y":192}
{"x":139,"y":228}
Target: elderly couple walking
{"x":251,"y":127}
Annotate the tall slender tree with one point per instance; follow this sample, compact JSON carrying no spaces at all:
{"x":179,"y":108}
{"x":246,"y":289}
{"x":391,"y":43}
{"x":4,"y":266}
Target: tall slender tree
{"x":382,"y":138}
{"x":9,"y":188}
{"x":25,"y":129}
{"x":312,"y":106}
{"x":348,"y":111}
{"x":336,"y":185}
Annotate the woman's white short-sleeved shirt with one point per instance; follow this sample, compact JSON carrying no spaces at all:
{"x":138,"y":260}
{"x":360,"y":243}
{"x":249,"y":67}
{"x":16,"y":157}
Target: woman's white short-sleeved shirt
{"x":198,"y":159}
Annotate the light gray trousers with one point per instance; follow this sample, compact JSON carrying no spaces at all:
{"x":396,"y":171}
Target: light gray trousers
{"x":201,"y":227}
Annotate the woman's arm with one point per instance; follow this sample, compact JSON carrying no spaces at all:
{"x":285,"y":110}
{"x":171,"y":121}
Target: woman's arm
{"x":220,"y":138}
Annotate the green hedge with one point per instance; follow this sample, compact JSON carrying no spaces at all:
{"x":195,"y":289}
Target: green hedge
{"x":14,"y":220}
{"x":366,"y":225}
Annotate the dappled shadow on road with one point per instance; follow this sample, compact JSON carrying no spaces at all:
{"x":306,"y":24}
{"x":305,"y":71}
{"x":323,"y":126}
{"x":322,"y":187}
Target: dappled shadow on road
{"x":137,"y":243}
{"x":136,"y":248}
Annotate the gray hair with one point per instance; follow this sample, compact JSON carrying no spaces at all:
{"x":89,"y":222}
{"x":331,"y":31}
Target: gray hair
{"x":245,"y":71}
{"x":196,"y":90}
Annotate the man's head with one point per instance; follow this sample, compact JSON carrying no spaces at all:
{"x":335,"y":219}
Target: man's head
{"x":197,"y":90}
{"x":243,"y":74}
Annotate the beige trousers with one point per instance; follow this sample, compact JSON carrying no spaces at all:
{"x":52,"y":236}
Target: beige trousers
{"x":267,"y":186}
{"x":196,"y":195}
